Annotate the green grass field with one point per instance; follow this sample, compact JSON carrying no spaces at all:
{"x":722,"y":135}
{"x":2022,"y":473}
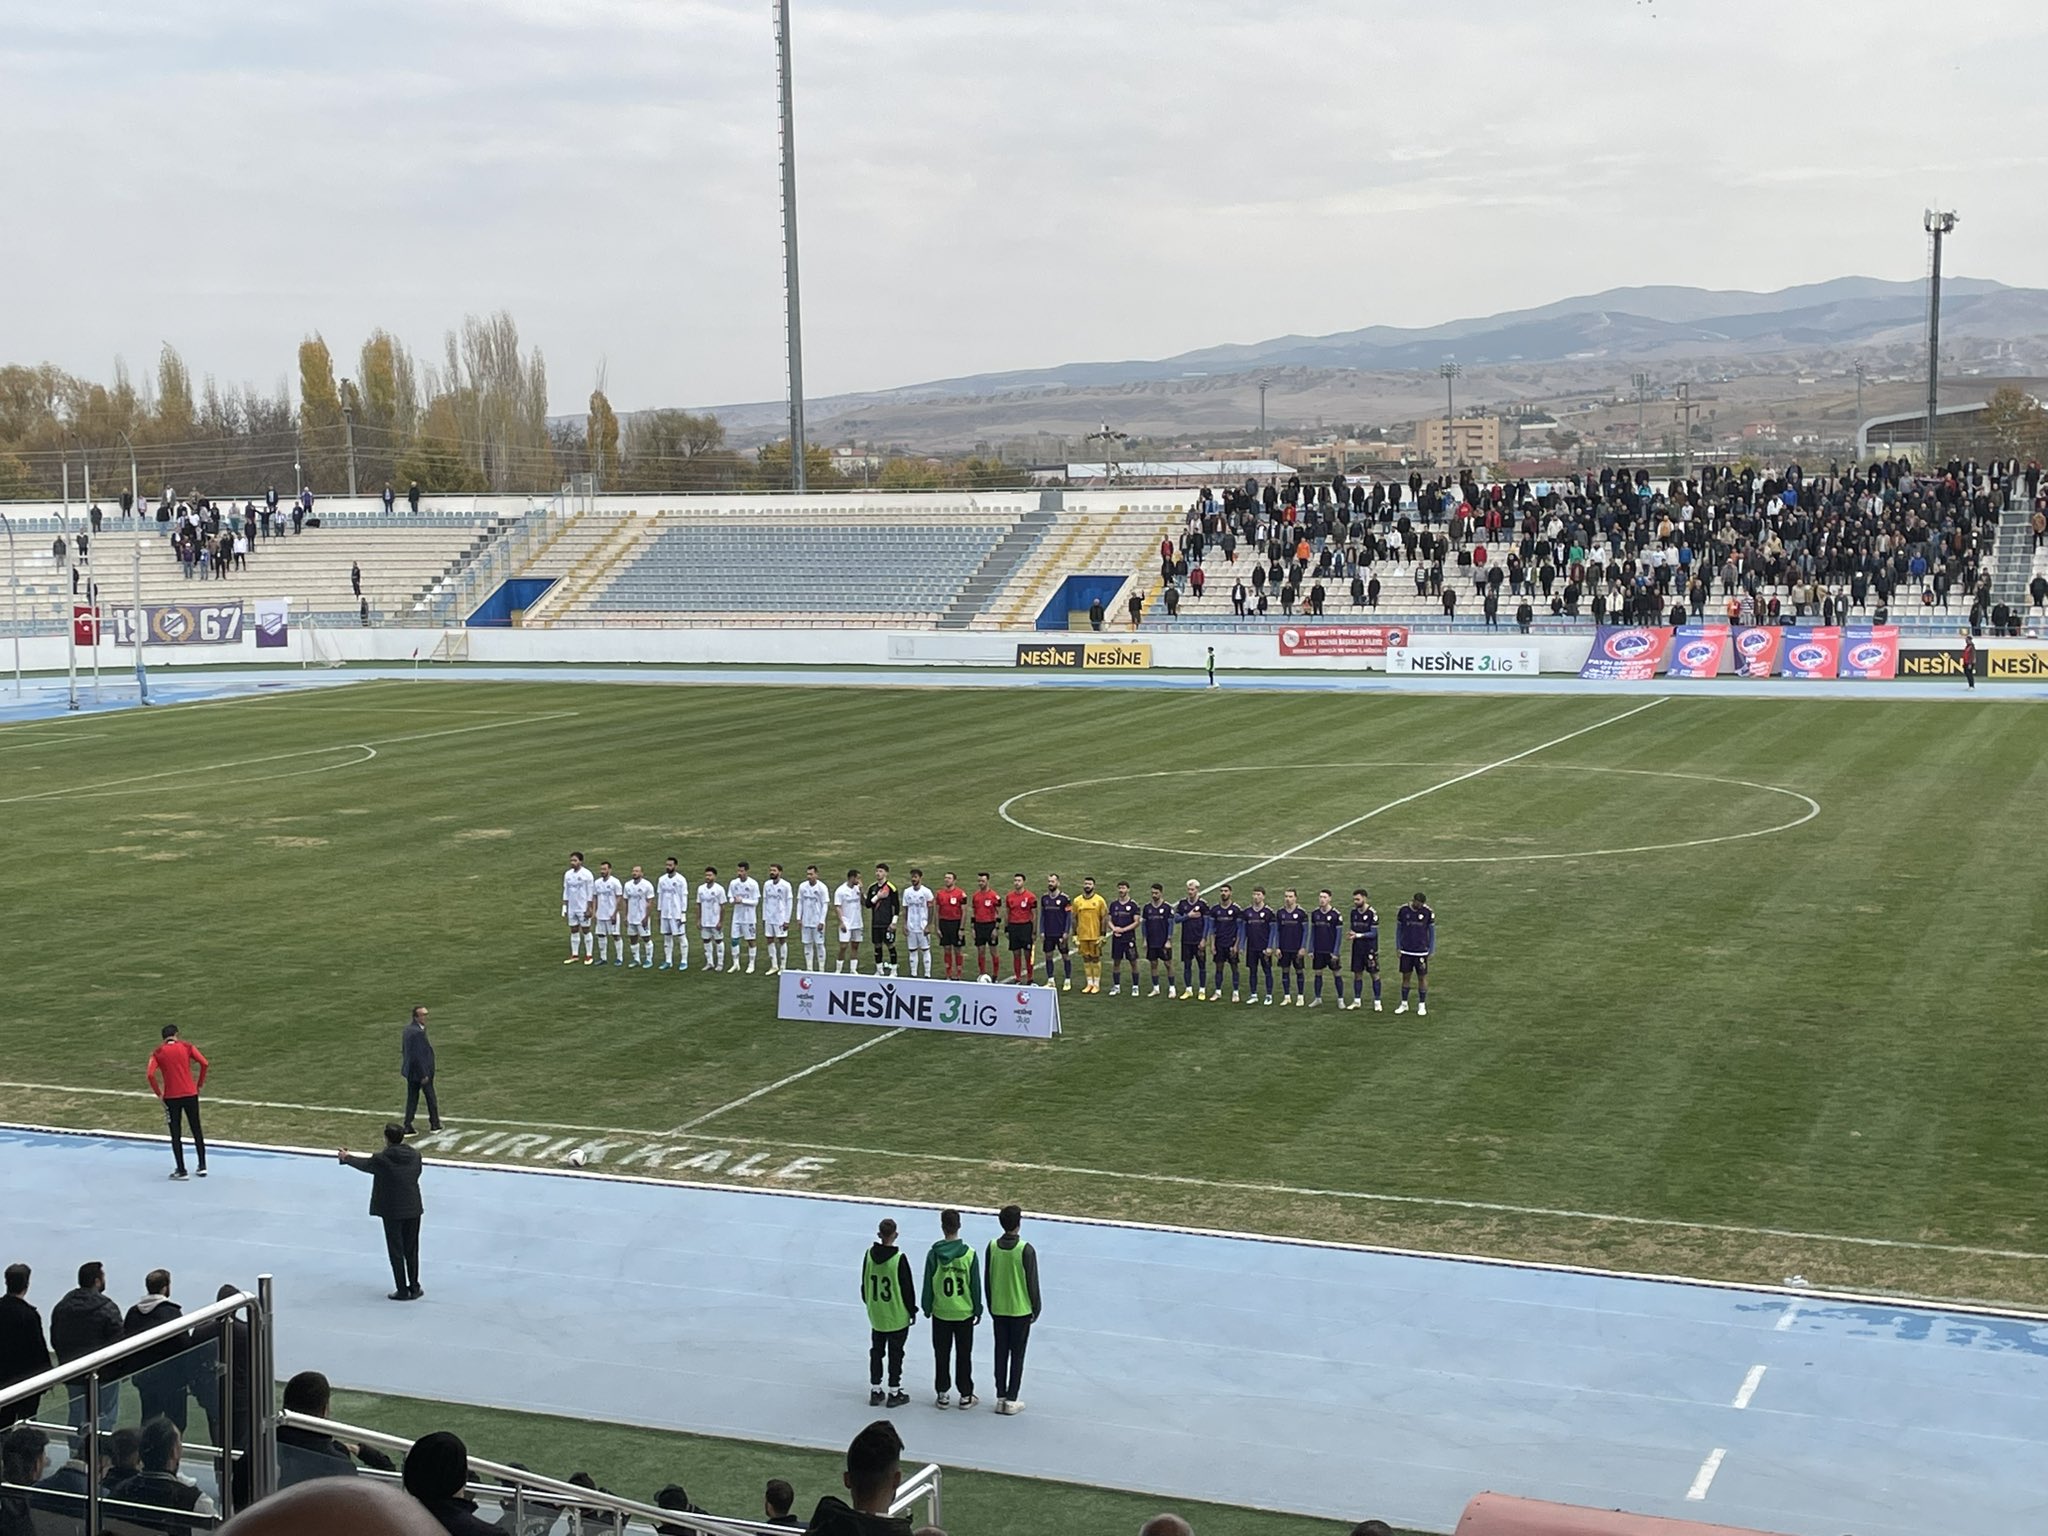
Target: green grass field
{"x":1665,"y":990}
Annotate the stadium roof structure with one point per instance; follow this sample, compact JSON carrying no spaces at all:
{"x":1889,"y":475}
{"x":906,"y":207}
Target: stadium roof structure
{"x":1181,"y":469}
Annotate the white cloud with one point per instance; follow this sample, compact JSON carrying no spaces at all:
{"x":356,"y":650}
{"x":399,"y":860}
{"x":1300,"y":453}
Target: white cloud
{"x":984,"y":184}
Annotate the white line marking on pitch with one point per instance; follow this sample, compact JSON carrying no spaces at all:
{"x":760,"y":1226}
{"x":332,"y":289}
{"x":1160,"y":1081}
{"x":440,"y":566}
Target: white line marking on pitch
{"x":1812,"y":810}
{"x":1705,"y":1480}
{"x":278,"y":757}
{"x":1002,"y":1164}
{"x":1749,"y":1385}
{"x":64,"y":741}
{"x":784,"y":1082}
{"x":1470,"y":773}
{"x":1786,"y":1320}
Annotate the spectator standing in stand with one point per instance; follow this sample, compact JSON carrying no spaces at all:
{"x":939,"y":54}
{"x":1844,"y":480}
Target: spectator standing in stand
{"x":86,"y":1319}
{"x":24,"y":1353}
{"x":176,"y":1073}
{"x":412,"y":497}
{"x":355,"y":578}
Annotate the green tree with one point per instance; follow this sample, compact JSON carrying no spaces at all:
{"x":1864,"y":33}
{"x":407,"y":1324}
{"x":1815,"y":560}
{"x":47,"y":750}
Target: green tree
{"x":437,"y":458}
{"x":678,"y":451}
{"x":900,"y":473}
{"x":320,"y":428}
{"x":771,"y":467}
{"x":2015,"y":425}
{"x":601,"y":440}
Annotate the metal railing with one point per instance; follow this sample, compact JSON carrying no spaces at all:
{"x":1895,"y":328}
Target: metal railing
{"x":242,"y":1402}
{"x":504,"y":554}
{"x":525,"y":1495}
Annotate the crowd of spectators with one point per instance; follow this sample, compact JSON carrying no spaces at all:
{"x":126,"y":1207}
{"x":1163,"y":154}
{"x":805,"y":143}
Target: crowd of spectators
{"x":1750,"y":545}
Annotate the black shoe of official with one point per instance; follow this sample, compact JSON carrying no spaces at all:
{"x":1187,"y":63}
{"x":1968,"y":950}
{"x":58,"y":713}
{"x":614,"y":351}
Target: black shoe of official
{"x":399,"y":1296}
{"x":177,"y":1173}
{"x":415,"y":1293}
{"x":410,"y":1131}
{"x":875,"y":1398}
{"x":898,"y":1398}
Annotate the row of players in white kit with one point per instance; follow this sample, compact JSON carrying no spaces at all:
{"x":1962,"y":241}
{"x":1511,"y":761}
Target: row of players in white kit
{"x":603,"y":910}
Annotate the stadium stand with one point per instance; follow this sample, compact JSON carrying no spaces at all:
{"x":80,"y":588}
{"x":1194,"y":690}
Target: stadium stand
{"x":910,"y":565}
{"x":1880,"y":545}
{"x":401,"y":559}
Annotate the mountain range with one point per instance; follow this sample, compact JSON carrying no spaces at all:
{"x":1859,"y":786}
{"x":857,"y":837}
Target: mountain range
{"x":1550,"y":346}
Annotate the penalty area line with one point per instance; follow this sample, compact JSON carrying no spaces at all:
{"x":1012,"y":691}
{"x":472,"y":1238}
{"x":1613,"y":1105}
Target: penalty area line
{"x":1180,"y":1180}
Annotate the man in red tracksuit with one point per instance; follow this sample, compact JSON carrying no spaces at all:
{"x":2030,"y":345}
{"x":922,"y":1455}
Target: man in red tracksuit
{"x":176,"y":1074}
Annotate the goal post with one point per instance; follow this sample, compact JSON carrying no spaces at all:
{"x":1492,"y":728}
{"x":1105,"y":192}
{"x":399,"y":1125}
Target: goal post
{"x":318,"y":647}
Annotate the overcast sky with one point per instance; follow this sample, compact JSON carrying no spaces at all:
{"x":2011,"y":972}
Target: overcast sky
{"x":984,"y":184}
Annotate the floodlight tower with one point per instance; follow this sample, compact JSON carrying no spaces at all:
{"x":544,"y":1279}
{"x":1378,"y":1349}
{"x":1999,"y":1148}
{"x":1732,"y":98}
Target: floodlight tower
{"x":1938,"y":226}
{"x":793,"y":319}
{"x":1451,"y":371}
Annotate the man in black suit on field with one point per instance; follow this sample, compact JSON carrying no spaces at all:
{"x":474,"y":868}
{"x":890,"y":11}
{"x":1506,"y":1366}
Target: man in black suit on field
{"x":416,"y":1061}
{"x":394,"y":1171}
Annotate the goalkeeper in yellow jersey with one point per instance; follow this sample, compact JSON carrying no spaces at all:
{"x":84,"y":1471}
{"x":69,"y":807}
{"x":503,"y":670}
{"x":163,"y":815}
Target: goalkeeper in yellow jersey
{"x":1091,"y":913}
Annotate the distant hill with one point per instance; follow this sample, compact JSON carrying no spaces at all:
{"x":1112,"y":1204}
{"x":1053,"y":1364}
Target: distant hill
{"x":1624,"y":327}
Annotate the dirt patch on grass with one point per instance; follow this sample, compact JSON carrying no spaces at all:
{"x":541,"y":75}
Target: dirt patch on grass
{"x":164,"y":855}
{"x":483,"y":834}
{"x":294,"y":842}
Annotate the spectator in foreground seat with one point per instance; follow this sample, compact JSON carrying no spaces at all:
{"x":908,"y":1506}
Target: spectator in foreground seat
{"x":776,"y":1502}
{"x":1166,"y":1525}
{"x":874,"y":1471}
{"x":437,"y":1473}
{"x":24,"y":1458}
{"x":1372,"y":1528}
{"x":160,"y":1486}
{"x":675,"y":1496}
{"x":304,"y":1454}
{"x":332,"y":1507}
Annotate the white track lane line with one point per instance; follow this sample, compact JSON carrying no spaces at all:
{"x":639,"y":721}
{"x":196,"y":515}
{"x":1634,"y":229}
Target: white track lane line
{"x":1705,"y":1479}
{"x":784,"y":1082}
{"x":1470,"y":773}
{"x":1749,"y":1385}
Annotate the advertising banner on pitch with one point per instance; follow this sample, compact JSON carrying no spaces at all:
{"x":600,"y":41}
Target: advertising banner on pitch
{"x":273,"y":622}
{"x":1633,"y":654}
{"x":1463,"y":658}
{"x":1871,"y":653}
{"x":1340,"y":639}
{"x":1698,"y":650}
{"x":915,"y":1002}
{"x":1813,"y":653}
{"x":1756,"y":650}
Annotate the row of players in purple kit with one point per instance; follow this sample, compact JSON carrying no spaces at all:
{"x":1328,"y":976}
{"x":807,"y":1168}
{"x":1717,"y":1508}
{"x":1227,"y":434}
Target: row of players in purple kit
{"x":1258,"y":939}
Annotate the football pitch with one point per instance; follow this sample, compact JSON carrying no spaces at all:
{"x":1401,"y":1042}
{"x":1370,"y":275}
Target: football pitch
{"x":1731,"y":988}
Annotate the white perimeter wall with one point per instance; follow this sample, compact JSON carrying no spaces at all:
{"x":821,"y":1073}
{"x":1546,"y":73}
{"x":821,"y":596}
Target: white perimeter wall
{"x":777,"y":647}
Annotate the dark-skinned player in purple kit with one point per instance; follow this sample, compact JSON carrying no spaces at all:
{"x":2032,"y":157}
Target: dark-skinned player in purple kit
{"x":1225,"y":920}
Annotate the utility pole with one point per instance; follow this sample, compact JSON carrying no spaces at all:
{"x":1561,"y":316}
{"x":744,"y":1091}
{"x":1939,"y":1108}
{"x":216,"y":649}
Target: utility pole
{"x":1686,"y":410}
{"x":793,"y":318}
{"x":348,"y":428}
{"x":70,"y":613}
{"x":1265,"y":451}
{"x":141,"y":618}
{"x":1938,"y":226}
{"x":1450,"y":370}
{"x":1642,"y":383}
{"x":298,"y":460}
{"x":1109,"y":438}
